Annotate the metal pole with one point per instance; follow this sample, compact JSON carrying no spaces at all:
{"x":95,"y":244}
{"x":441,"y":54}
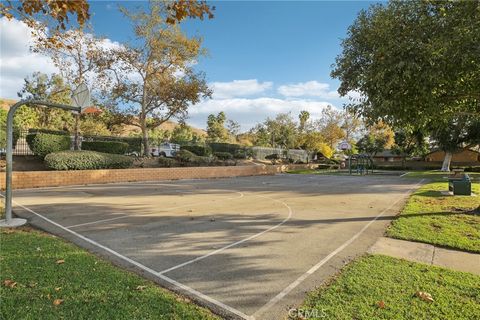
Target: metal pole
{"x":9,"y":221}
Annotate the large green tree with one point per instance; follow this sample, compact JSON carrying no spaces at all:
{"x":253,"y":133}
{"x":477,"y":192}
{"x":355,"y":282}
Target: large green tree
{"x":414,"y":63}
{"x":40,"y":86}
{"x":216,"y":130}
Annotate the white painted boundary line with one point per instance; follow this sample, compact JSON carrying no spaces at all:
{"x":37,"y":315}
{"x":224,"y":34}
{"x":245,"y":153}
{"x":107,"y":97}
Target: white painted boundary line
{"x":141,"y":266}
{"x":294,"y":284}
{"x":404,"y":174}
{"x":290,"y":212}
{"x":130,"y":216}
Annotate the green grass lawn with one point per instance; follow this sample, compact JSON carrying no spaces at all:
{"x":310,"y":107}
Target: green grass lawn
{"x":441,"y":220}
{"x":437,"y":175}
{"x":86,"y":286}
{"x":380,"y":287}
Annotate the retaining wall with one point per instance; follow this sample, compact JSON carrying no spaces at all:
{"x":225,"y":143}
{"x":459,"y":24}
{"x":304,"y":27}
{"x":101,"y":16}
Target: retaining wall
{"x":39,"y":179}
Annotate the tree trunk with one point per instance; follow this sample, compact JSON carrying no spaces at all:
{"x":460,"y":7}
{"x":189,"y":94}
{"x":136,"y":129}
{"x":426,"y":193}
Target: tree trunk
{"x":446,"y":161}
{"x":146,"y":145}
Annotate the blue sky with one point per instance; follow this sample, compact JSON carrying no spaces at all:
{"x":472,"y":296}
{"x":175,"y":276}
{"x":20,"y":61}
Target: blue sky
{"x":265,"y":57}
{"x":280,"y":41}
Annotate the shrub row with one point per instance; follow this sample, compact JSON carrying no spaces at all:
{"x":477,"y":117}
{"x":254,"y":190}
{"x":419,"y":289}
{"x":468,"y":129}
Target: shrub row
{"x":166,"y":162}
{"x":42,"y":144}
{"x":198,"y":150}
{"x":115,"y":147}
{"x":225,"y":147}
{"x":223,"y":155}
{"x":134,"y":143}
{"x":86,"y":160}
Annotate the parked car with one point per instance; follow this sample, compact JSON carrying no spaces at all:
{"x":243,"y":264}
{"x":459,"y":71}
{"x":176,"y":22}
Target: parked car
{"x":165,"y":149}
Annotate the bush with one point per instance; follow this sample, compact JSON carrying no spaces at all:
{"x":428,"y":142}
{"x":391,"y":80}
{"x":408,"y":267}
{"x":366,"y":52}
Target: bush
{"x":115,"y":147}
{"x":224,"y":147}
{"x":240,"y":154}
{"x":198,"y":150}
{"x":134,"y":143}
{"x":42,"y":144}
{"x":274,"y":157}
{"x":223,"y":155}
{"x":185,"y":156}
{"x":86,"y":160}
{"x":166,"y":162}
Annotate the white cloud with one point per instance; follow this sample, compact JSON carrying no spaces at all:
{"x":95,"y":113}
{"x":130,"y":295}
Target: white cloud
{"x":249,"y":112}
{"x":308,"y":89}
{"x":239,"y":88}
{"x":18,"y":62}
{"x":16,"y":59}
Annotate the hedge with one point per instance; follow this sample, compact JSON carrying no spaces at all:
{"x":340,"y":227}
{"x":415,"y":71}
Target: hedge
{"x":166,"y":162}
{"x":198,"y":150}
{"x":225,"y":147}
{"x":186,"y":158}
{"x":134,"y":143}
{"x":223,"y":155}
{"x":86,"y":160}
{"x":115,"y":147}
{"x":42,"y":144}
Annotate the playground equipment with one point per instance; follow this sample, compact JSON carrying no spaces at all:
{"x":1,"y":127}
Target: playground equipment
{"x":362,"y":162}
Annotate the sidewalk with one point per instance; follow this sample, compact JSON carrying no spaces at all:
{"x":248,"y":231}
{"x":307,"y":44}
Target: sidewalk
{"x":429,"y":254}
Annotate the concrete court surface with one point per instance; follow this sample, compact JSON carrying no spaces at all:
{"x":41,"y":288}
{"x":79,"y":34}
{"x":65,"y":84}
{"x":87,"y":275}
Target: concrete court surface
{"x":248,"y":247}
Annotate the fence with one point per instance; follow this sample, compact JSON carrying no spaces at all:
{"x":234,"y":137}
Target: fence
{"x":260,"y":153}
{"x":21,"y":147}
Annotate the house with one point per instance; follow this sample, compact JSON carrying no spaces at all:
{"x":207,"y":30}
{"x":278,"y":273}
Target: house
{"x":463,"y":156}
{"x":387,"y":156}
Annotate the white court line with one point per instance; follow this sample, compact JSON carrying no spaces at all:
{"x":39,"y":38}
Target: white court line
{"x":166,"y":209}
{"x":404,"y":174}
{"x":294,"y":284}
{"x":141,"y":266}
{"x":290,"y":212}
{"x":103,"y":185}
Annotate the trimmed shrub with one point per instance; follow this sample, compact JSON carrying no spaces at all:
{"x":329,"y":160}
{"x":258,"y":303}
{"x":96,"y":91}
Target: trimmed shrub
{"x":223,"y":155}
{"x":86,"y":160}
{"x":224,"y":147}
{"x":198,"y":150}
{"x":42,"y":144}
{"x":134,"y":143}
{"x":185,"y":156}
{"x":115,"y":147}
{"x":274,"y":157}
{"x":166,"y":162}
{"x":240,"y":154}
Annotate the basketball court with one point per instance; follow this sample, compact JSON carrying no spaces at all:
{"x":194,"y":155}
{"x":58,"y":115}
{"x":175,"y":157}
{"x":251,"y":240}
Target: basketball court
{"x":247,"y":248}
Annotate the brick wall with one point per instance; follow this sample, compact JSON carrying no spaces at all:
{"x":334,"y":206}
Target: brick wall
{"x":39,"y":179}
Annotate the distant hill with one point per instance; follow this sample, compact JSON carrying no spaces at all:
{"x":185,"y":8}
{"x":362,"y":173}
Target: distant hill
{"x":169,"y":125}
{"x":6,"y":103}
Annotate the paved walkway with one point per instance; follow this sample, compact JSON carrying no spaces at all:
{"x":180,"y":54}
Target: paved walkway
{"x":427,"y":253}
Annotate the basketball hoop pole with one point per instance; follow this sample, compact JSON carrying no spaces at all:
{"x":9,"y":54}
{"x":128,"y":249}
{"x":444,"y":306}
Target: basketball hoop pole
{"x":8,"y":221}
